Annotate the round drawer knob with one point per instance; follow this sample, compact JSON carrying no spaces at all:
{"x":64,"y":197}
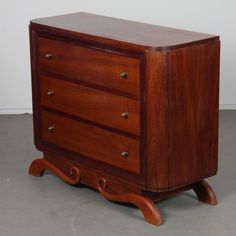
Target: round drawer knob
{"x":123,"y":75}
{"x":51,"y":128}
{"x":50,"y":93}
{"x":124,"y":115}
{"x":48,"y":56}
{"x":124,"y":154}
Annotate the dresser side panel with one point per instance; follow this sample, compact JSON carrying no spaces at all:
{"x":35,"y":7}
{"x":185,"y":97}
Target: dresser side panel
{"x":194,"y":105}
{"x":156,"y":120}
{"x":34,"y":83}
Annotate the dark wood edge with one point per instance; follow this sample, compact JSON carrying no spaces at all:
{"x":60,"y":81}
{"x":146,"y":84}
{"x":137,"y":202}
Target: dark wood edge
{"x":34,"y":83}
{"x":91,"y":45}
{"x":202,"y":189}
{"x":87,"y":40}
{"x":143,"y":139}
{"x":85,"y":37}
{"x":114,"y":42}
{"x":189,"y":183}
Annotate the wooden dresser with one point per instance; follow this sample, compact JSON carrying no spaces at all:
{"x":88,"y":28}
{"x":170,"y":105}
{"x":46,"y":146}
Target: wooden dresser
{"x":129,"y":109}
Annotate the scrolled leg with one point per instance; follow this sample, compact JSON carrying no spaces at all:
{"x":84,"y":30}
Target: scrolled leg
{"x":38,"y":167}
{"x":150,"y":212}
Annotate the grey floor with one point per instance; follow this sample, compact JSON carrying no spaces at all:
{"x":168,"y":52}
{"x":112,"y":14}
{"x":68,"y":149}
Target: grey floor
{"x":47,"y":206}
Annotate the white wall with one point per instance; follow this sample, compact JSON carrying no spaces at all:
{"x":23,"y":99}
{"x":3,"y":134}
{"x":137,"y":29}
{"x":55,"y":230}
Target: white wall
{"x":209,"y":16}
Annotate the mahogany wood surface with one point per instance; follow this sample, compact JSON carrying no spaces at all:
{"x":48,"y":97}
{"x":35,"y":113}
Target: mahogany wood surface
{"x":85,"y":64}
{"x":150,"y":212}
{"x":193,"y":117}
{"x":115,"y":190}
{"x":91,"y":104}
{"x":205,"y":192}
{"x":90,"y":177}
{"x":169,"y":141}
{"x":91,"y":141}
{"x":156,"y":121}
{"x":107,"y":30}
{"x":38,"y":166}
{"x":182,"y":115}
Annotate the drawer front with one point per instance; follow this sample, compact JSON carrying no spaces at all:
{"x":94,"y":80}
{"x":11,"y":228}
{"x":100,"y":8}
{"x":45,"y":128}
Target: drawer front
{"x":94,"y":66}
{"x":92,"y":104}
{"x":96,"y":143}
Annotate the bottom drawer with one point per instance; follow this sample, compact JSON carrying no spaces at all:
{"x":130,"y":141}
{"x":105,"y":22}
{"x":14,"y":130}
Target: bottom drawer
{"x":94,"y":142}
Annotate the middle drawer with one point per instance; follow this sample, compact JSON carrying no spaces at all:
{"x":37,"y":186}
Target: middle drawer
{"x":108,"y":109}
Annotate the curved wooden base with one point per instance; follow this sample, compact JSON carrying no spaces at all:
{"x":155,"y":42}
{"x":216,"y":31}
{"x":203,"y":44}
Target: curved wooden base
{"x":38,"y":167}
{"x":205,"y":192}
{"x":150,"y":212}
{"x":116,"y":191}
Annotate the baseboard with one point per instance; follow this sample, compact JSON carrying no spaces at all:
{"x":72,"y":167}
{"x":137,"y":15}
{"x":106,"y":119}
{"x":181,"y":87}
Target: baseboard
{"x":227,"y":106}
{"x":9,"y":111}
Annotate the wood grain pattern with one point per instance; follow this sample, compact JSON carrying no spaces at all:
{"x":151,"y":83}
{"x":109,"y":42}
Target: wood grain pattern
{"x":91,"y":104}
{"x":182,"y":115}
{"x":171,"y":95}
{"x":156,"y":132}
{"x":91,"y":141}
{"x":150,"y":212}
{"x":90,"y":65}
{"x":111,"y":189}
{"x":90,"y":175}
{"x":115,"y":190}
{"x":194,"y":105}
{"x":38,"y":166}
{"x":112,"y":31}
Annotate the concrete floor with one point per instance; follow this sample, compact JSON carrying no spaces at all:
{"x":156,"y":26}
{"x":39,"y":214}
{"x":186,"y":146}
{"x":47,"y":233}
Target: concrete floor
{"x":47,"y":206}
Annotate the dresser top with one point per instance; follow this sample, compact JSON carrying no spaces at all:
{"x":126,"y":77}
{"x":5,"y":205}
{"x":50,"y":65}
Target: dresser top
{"x":145,"y":35}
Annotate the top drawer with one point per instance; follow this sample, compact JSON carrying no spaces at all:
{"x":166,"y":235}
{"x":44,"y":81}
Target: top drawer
{"x":103,"y":68}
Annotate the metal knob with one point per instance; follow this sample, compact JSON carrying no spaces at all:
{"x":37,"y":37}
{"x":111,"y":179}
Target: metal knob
{"x":124,"y":154}
{"x":48,"y":56}
{"x":124,"y":115}
{"x":123,"y":75}
{"x":50,"y":93}
{"x":51,"y":128}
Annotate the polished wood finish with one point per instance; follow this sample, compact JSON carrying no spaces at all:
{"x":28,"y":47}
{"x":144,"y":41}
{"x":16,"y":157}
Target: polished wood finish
{"x":90,"y":176}
{"x":150,"y":212}
{"x":131,"y":104}
{"x":205,"y":192}
{"x":182,"y":115}
{"x":156,"y":120}
{"x":91,"y":141}
{"x":90,"y":65}
{"x":103,"y":29}
{"x":115,"y":190}
{"x":92,"y":104}
{"x":193,"y":104}
{"x":38,"y":167}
